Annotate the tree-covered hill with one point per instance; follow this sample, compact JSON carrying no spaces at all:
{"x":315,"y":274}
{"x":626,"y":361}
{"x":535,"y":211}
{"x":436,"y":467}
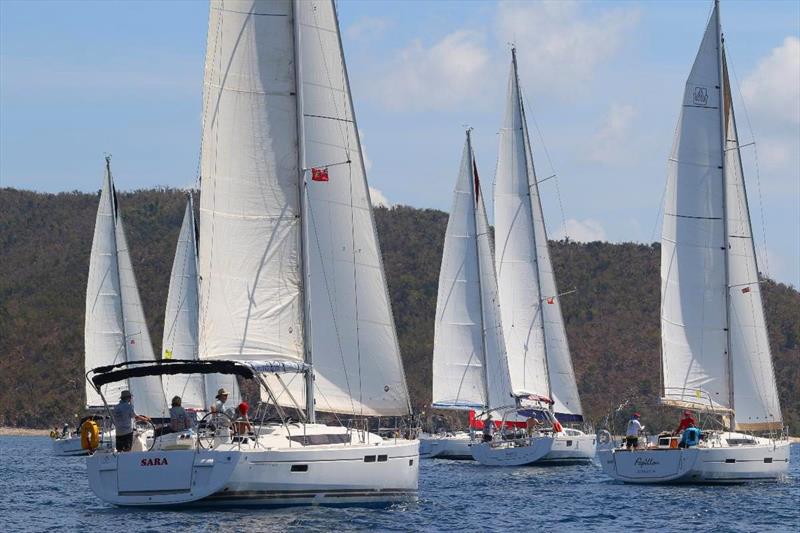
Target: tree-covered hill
{"x":611,"y":318}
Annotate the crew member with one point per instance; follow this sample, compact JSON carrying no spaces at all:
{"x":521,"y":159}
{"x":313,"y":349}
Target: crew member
{"x":124,"y":415}
{"x":632,"y":433}
{"x":178,"y":419}
{"x":488,"y":427}
{"x":219,"y":405}
{"x":687,"y":421}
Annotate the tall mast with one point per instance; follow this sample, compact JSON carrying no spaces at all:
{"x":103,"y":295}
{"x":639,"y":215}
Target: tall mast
{"x":529,"y":164}
{"x":725,"y":247}
{"x":301,"y":170}
{"x":475,"y":191}
{"x":197,"y":277}
{"x":113,"y":197}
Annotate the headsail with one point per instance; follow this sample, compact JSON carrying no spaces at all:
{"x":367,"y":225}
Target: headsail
{"x":284,"y":195}
{"x":715,"y":350}
{"x":538,"y":353}
{"x":469,"y":362}
{"x":180,"y":317}
{"x":116,"y":329}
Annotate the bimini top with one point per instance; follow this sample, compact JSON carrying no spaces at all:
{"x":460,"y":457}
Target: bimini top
{"x":247,"y":369}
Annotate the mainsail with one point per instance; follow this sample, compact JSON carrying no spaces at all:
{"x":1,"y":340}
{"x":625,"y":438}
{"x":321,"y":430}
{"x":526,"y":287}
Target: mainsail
{"x":538,"y":354}
{"x":470,"y":370}
{"x":290,"y":266}
{"x":715,"y":350}
{"x":115,"y":327}
{"x":180,"y":317}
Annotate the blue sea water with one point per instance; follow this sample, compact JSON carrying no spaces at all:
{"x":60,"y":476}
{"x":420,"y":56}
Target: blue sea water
{"x":41,"y":492}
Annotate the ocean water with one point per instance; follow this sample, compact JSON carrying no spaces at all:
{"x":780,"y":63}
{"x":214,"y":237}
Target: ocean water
{"x":40,"y":492}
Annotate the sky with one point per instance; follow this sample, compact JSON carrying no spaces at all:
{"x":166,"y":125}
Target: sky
{"x":602,"y":82}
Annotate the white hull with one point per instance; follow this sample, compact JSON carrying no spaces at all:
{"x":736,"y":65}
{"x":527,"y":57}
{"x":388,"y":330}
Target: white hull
{"x":248,"y":473}
{"x":519,"y":452}
{"x":71,"y":446}
{"x":455,"y":446}
{"x":766,"y":460}
{"x":571,"y":446}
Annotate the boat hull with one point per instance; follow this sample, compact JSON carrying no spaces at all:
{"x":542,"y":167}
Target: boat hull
{"x":512,"y":453}
{"x":454,"y":447}
{"x":236,"y":476}
{"x":577,"y":447}
{"x":71,"y":446}
{"x":736,"y":464}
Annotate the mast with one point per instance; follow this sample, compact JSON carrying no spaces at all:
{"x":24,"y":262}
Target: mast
{"x":529,"y":164}
{"x":301,"y":171}
{"x":475,"y":192}
{"x":113,"y":191}
{"x":195,"y":236}
{"x":726,"y":237}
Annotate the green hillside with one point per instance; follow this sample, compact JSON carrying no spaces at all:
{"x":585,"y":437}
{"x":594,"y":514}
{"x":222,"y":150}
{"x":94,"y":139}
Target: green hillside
{"x":611,"y":318}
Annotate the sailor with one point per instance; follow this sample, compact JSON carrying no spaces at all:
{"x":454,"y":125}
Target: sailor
{"x":532,"y":425}
{"x":488,"y":427}
{"x":124,"y":415}
{"x":219,"y":405}
{"x":178,"y":419}
{"x":241,"y":423}
{"x":686,"y":422}
{"x":632,"y":433}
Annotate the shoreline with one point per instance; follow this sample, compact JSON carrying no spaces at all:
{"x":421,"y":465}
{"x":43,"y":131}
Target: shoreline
{"x":6,"y":431}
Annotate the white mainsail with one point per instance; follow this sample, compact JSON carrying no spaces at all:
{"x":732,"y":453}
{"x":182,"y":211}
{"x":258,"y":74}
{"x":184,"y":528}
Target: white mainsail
{"x":715,"y":348}
{"x":538,"y":354}
{"x":180,"y":317}
{"x":287,"y":240}
{"x":469,"y":362}
{"x":115,"y":329}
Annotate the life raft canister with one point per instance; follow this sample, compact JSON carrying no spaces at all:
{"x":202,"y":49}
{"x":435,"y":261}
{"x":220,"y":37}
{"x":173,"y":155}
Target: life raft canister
{"x":90,"y":435}
{"x":557,"y":427}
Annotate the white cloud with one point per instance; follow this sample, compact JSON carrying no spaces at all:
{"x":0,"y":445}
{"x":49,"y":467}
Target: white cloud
{"x":448,"y":73}
{"x":773,"y":88}
{"x":587,"y":230}
{"x":378,"y":198}
{"x":611,"y":144}
{"x":561,"y":44}
{"x":366,"y":28}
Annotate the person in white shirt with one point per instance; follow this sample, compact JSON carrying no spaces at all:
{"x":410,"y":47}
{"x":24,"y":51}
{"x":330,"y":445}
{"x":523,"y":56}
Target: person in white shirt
{"x":632,"y":433}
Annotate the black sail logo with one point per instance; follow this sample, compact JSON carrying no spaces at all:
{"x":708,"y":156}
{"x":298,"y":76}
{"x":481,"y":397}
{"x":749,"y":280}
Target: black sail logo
{"x":700,"y":96}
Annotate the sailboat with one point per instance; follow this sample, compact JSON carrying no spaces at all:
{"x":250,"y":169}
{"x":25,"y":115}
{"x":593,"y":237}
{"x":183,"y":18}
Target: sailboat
{"x":293,"y":293}
{"x":714,"y":347}
{"x":470,"y":371}
{"x":115,"y":327}
{"x":536,"y":343}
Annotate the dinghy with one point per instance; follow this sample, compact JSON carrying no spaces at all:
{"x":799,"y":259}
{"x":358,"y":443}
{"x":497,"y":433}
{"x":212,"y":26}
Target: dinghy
{"x":536,"y":343}
{"x":469,"y":361}
{"x":292,"y":289}
{"x":115,"y":327}
{"x":715,"y":351}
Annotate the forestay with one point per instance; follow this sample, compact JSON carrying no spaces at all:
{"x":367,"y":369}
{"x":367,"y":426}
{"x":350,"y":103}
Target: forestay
{"x":181,"y":316}
{"x":538,"y":353}
{"x":255,"y":232}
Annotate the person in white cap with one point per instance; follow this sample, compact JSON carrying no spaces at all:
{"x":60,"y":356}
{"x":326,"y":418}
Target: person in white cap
{"x":124,"y":415}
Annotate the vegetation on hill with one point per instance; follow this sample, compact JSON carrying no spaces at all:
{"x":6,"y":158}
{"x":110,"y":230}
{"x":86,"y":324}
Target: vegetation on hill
{"x":611,"y":318}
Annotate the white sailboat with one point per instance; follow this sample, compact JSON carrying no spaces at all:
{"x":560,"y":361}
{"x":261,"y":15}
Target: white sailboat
{"x":470,"y":371}
{"x":291,"y":282}
{"x":715,"y":351}
{"x":536,"y":343}
{"x":115,"y":327}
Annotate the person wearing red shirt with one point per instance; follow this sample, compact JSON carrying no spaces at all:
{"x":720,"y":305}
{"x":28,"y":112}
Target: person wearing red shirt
{"x":687,"y":421}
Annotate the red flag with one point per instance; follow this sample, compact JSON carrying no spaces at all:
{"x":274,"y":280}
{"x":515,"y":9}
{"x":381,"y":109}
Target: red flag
{"x":551,"y":299}
{"x":319,"y":174}
{"x":745,"y":290}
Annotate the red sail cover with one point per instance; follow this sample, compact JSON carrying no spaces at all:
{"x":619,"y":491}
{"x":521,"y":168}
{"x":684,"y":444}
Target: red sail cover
{"x":475,"y":423}
{"x":319,"y":174}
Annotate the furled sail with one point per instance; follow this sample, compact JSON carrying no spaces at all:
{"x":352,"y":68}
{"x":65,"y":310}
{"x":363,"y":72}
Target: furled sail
{"x":180,"y":317}
{"x":709,"y":270}
{"x":469,"y":361}
{"x":538,"y":354}
{"x":279,"y":121}
{"x":116,"y":330}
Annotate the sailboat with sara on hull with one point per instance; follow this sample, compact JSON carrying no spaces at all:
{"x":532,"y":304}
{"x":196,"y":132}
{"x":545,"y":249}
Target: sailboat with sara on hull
{"x":470,"y":371}
{"x":714,"y":346}
{"x":293,"y":294}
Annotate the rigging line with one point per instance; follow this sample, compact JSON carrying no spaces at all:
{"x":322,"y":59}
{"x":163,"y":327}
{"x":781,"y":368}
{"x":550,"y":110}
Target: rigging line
{"x":755,"y":163}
